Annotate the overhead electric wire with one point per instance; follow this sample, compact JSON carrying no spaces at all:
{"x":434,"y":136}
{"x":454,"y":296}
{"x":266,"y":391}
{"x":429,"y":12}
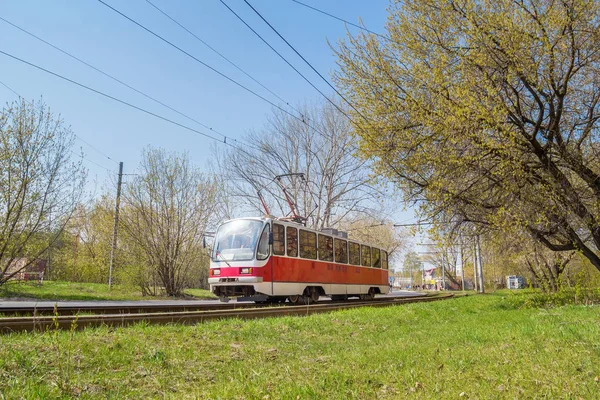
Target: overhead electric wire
{"x":341,"y":19}
{"x":309,"y":64}
{"x":92,"y":161}
{"x":80,"y":155}
{"x":221,"y":55}
{"x":201,"y":62}
{"x":286,"y":61}
{"x":122,"y":101}
{"x":112,"y":77}
{"x":415,"y":224}
{"x":79,"y":138}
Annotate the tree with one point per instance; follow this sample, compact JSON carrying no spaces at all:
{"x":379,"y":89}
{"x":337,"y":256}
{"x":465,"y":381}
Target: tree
{"x":380,"y":234}
{"x":412,"y":264}
{"x":85,"y":249}
{"x":167,"y":209}
{"x":39,"y":184}
{"x":445,"y":257}
{"x":335,"y":184}
{"x":521,"y":254}
{"x":487,"y":111}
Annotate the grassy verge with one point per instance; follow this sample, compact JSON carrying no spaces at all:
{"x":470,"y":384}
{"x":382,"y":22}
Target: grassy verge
{"x":82,"y":291}
{"x":470,"y":347}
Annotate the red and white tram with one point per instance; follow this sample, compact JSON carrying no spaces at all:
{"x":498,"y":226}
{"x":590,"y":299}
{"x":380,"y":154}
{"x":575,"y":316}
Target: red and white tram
{"x":270,"y":260}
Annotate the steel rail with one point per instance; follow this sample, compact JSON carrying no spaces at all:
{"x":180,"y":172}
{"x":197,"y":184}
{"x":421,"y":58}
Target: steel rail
{"x":66,"y":309}
{"x":116,"y":308}
{"x":45,"y":323}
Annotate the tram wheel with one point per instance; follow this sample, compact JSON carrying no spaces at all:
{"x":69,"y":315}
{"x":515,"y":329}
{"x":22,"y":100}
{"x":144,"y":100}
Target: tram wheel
{"x":370,"y":295}
{"x":314,"y":295}
{"x":294,"y":299}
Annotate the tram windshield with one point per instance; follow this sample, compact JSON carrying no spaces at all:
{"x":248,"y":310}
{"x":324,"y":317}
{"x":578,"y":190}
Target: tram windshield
{"x":236,"y":240}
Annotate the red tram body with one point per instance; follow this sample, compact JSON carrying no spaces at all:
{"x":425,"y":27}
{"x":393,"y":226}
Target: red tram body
{"x":270,"y":260}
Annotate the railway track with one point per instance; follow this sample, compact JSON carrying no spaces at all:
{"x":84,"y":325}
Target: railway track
{"x":117,"y":309}
{"x":249,"y":311}
{"x":40,"y":310}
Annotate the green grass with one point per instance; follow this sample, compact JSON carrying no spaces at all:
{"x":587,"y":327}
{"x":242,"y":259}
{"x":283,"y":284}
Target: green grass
{"x":83,"y":291}
{"x":470,"y":347}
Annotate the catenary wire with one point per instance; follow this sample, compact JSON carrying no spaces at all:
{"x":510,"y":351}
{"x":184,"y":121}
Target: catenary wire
{"x":112,"y":77}
{"x":79,"y":155}
{"x":202,"y":62}
{"x":93,"y":162}
{"x":221,"y":55}
{"x":295,"y":69}
{"x":285,"y":60}
{"x":301,"y":119}
{"x":321,"y":76}
{"x":79,"y":138}
{"x":308,"y":63}
{"x":341,"y":19}
{"x":122,"y":101}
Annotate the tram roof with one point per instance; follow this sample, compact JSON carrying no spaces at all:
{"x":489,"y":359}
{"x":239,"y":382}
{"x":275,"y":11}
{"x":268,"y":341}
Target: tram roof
{"x":296,"y":224}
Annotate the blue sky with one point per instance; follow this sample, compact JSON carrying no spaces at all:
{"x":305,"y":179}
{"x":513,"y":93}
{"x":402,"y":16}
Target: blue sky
{"x":99,"y":36}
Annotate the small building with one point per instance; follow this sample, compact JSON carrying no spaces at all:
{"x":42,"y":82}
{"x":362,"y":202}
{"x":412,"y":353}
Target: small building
{"x":515,"y":282}
{"x":34,"y":271}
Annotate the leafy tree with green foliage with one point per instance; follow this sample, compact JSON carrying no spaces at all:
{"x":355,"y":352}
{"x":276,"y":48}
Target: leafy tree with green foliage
{"x":39,"y":184}
{"x":412,"y":265}
{"x":487,"y":111}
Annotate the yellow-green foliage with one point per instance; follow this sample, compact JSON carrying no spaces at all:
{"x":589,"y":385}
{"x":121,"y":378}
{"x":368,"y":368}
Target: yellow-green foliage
{"x":487,"y":110}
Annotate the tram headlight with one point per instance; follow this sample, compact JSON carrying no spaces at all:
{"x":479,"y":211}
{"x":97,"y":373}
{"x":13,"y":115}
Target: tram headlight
{"x":215,"y":271}
{"x":245,"y":270}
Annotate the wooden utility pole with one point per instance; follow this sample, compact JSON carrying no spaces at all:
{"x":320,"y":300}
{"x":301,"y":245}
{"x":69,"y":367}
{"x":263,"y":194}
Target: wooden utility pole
{"x":114,"y":241}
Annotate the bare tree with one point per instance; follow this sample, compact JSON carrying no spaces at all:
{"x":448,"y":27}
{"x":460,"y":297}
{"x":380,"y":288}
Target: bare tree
{"x":39,"y":184}
{"x":382,"y":234}
{"x":167,"y":208}
{"x":334,"y":183}
{"x":445,"y":257}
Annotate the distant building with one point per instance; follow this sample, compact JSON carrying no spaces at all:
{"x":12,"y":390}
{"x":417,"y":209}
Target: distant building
{"x":34,"y":271}
{"x":515,"y":282}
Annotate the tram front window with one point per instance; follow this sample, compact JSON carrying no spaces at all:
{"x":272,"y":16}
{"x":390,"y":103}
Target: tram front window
{"x":236,"y":240}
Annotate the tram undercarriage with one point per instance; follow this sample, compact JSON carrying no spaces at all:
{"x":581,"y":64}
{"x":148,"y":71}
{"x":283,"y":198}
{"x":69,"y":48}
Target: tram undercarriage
{"x":310,"y":295}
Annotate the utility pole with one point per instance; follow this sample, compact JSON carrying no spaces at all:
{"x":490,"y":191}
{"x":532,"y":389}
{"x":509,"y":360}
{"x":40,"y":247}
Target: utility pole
{"x":475,"y":265}
{"x":480,"y":266}
{"x":444,"y":258}
{"x":462,"y":265}
{"x":114,"y":241}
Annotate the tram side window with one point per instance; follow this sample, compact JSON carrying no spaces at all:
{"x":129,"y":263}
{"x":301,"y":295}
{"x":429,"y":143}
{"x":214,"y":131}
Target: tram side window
{"x":341,"y":251}
{"x":365,"y":255}
{"x":376,"y":257}
{"x":325,"y":248}
{"x":354,"y":251}
{"x":384,"y":259}
{"x":263,"y":245}
{"x":278,"y":240}
{"x":308,"y":244}
{"x":292,"y":242}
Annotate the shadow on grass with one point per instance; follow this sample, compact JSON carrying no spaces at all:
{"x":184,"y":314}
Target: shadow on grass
{"x":65,"y":291}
